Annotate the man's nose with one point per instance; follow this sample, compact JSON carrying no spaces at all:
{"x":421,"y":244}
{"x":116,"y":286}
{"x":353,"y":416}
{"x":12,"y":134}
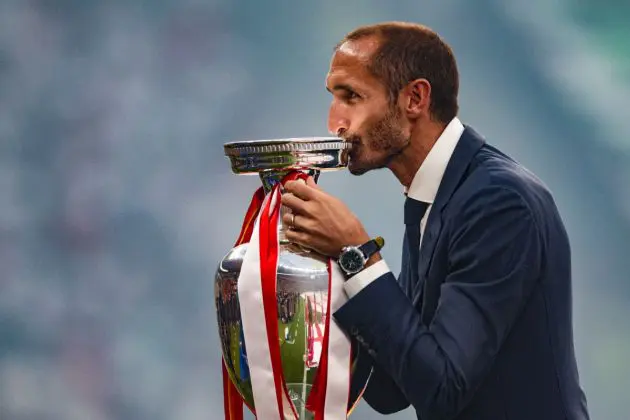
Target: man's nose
{"x":337,"y":123}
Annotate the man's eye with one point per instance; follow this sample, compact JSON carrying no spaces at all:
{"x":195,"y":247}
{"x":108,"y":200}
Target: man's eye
{"x":350,"y":96}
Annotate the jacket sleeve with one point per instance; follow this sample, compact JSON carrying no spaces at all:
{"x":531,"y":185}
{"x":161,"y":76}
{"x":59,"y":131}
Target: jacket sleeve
{"x":383,"y":394}
{"x":494,"y":261}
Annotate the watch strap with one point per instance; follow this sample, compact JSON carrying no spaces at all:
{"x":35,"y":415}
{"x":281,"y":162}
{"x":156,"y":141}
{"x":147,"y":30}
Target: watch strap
{"x":372,"y":246}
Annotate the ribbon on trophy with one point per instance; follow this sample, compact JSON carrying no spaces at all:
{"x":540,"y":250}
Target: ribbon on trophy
{"x":232,"y":400}
{"x":257,"y":288}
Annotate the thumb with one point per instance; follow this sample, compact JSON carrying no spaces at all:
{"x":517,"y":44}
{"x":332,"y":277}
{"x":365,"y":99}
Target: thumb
{"x":311,"y":183}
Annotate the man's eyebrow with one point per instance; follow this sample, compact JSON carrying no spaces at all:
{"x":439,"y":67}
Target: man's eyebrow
{"x":340,"y":86}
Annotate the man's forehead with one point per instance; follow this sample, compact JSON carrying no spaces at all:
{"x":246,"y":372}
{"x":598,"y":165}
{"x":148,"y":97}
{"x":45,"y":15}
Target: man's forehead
{"x":351,"y":58}
{"x":362,"y":48}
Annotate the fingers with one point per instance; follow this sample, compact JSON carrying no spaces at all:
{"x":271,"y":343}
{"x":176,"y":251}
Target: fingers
{"x":288,"y":220}
{"x":297,"y":237}
{"x":297,"y":194}
{"x":309,"y":241}
{"x":310,"y":181}
{"x":298,"y":222}
{"x":302,"y":190}
{"x":296,"y":204}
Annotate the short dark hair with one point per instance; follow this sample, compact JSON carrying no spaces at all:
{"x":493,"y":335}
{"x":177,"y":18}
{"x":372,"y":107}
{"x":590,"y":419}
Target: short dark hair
{"x":410,"y":51}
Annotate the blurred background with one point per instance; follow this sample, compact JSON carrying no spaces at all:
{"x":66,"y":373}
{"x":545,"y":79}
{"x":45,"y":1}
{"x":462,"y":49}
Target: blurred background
{"x":116,"y":202}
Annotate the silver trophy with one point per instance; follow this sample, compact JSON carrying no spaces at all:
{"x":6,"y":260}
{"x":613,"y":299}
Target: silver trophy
{"x":302,"y":276}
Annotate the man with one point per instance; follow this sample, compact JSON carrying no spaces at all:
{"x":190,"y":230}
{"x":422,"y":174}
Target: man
{"x":478,"y":325}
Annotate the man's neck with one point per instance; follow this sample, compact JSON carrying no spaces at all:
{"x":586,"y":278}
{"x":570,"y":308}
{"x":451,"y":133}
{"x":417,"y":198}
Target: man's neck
{"x":406,"y":164}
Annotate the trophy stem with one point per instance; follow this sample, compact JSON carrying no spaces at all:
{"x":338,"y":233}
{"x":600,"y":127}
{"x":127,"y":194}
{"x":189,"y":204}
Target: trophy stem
{"x":269,"y":179}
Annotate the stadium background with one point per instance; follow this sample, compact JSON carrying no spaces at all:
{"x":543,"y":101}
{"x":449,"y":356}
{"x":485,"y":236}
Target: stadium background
{"x":116,"y":202}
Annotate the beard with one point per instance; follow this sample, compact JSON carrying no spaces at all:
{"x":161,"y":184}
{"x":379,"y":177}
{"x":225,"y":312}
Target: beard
{"x":383,"y":141}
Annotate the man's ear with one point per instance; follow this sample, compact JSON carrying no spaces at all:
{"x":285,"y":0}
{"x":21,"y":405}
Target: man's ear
{"x":417,"y":97}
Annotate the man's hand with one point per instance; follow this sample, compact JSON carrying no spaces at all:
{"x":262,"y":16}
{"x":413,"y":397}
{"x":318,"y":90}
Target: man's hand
{"x":318,"y":220}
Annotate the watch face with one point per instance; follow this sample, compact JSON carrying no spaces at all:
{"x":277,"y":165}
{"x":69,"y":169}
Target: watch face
{"x":352,"y":260}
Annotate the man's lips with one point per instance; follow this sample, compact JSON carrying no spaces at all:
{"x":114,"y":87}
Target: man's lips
{"x":348,"y":152}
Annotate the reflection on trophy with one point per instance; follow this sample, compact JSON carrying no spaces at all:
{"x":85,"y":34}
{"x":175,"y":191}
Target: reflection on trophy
{"x":302,"y":284}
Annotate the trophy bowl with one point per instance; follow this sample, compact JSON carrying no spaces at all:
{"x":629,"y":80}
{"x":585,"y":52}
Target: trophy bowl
{"x":302,"y":276}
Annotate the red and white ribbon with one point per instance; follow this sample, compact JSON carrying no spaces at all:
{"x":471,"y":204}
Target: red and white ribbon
{"x":257,"y":287}
{"x":338,"y":354}
{"x":271,"y":398}
{"x":232,"y":400}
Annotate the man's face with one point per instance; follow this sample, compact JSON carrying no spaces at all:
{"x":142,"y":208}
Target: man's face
{"x":361,"y":112}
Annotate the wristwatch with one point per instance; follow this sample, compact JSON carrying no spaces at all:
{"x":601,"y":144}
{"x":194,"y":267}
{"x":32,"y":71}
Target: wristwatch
{"x":353,"y":258}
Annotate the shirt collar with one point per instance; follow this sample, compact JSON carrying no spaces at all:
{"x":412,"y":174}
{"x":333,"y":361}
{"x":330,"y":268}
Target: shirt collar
{"x":426,"y":182}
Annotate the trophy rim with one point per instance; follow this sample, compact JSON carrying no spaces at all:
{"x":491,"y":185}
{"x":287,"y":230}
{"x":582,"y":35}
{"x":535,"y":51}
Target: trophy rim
{"x":290,"y":144}
{"x":283,"y":154}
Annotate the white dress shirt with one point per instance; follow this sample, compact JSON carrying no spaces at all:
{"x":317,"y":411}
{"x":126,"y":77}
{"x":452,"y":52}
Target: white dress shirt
{"x":424,"y":187}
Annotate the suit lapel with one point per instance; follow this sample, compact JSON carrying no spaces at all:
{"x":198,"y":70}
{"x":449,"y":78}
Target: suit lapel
{"x":468,"y":145}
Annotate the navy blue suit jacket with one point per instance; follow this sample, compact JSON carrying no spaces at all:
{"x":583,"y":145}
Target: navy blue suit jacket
{"x":487,"y":332}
